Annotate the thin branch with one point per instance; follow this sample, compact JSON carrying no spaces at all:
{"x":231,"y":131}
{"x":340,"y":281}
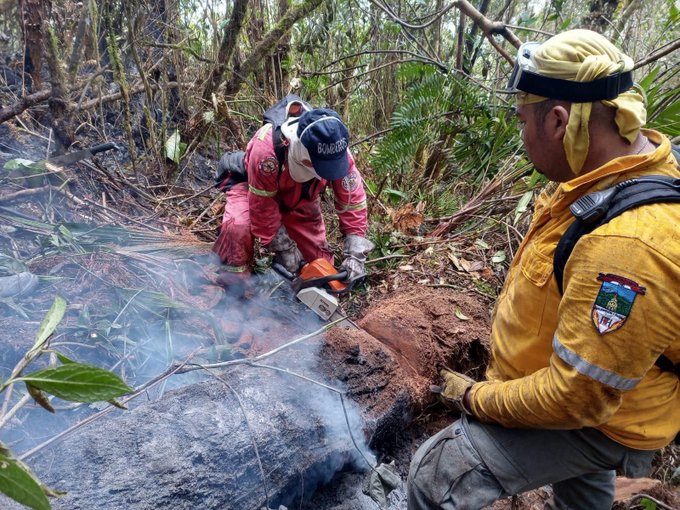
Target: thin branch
{"x":369,"y":71}
{"x":181,"y":48}
{"x":405,"y":24}
{"x":661,"y":53}
{"x":528,"y":29}
{"x":424,"y":58}
{"x":250,"y":430}
{"x":321,"y":73}
{"x":247,"y":361}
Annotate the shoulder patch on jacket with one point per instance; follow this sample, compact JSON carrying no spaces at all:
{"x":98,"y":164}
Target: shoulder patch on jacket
{"x":614,"y":302}
{"x":269,"y":165}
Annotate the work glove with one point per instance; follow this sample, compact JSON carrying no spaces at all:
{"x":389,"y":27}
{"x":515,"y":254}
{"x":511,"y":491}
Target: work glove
{"x":355,"y":250}
{"x":285,"y":251}
{"x":381,"y":480}
{"x":452,"y":390}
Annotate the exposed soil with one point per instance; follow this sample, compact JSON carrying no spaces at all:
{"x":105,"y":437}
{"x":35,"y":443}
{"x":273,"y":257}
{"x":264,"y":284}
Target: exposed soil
{"x":404,"y":339}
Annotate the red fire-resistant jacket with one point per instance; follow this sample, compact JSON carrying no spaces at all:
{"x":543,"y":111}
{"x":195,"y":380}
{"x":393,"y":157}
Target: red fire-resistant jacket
{"x":273,"y":192}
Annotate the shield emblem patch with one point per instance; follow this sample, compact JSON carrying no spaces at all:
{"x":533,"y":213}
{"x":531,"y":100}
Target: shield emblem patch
{"x":614,"y":302}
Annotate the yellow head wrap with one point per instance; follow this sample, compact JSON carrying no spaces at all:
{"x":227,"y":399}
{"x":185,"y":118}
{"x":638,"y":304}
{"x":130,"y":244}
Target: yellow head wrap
{"x":583,"y":55}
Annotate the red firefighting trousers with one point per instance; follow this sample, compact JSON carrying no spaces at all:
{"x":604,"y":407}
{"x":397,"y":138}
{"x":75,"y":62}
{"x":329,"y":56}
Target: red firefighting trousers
{"x":235,"y":243}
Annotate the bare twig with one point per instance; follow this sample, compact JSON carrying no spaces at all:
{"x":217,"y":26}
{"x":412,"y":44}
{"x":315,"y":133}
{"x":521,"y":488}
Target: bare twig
{"x":671,"y":47}
{"x":250,"y":429}
{"x":342,"y":402}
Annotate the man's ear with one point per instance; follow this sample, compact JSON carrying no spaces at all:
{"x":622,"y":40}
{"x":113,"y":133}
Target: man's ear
{"x":555,"y":122}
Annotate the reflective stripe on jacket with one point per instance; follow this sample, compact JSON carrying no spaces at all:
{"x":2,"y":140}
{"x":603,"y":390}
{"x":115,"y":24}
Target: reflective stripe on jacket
{"x":271,"y":193}
{"x":586,"y":359}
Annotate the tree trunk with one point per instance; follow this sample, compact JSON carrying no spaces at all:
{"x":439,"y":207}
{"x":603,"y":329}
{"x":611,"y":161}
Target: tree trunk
{"x":267,"y":44}
{"x":33,"y":14}
{"x":283,"y":49}
{"x":227,"y":46}
{"x":58,"y":101}
{"x":257,"y":435}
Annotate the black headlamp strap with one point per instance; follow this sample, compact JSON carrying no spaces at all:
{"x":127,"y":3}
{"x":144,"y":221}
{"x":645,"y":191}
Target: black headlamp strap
{"x":608,"y":87}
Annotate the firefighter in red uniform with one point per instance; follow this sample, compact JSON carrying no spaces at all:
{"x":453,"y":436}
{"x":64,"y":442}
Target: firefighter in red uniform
{"x":280,"y":205}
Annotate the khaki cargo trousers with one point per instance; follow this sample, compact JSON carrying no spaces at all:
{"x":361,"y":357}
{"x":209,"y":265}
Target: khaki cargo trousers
{"x":469,"y":465}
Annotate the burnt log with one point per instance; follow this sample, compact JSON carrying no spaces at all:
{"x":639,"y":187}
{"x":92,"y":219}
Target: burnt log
{"x":271,"y":440}
{"x":252,"y":436}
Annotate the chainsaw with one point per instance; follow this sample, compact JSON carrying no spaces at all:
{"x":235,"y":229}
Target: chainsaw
{"x":318,"y":285}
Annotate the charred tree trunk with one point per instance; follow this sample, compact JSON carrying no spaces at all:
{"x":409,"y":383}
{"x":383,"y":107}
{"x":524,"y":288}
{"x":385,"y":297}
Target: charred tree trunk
{"x":262,"y":80}
{"x":259,"y":435}
{"x":58,"y":101}
{"x":33,"y":14}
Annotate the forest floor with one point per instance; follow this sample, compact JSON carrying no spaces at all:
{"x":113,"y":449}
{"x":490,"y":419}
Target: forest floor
{"x":117,"y":278}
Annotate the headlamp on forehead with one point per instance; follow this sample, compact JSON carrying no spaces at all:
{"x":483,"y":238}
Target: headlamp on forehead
{"x":525,"y":78}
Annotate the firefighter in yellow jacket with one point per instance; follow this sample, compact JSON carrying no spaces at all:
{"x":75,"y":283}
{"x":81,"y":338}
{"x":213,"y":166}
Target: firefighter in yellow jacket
{"x":572,"y":391}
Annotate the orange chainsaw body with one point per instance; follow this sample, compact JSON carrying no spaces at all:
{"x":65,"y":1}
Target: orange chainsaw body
{"x":321,"y":268}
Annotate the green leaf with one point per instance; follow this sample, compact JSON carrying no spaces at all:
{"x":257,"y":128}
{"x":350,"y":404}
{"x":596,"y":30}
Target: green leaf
{"x":498,"y":257}
{"x":174,"y":148}
{"x":64,"y":359}
{"x":49,"y":323}
{"x":395,"y":193}
{"x":522,"y":205}
{"x":648,"y":504}
{"x":646,"y":82}
{"x":19,"y":164}
{"x":78,"y":382}
{"x":673,"y":12}
{"x":18,"y":483}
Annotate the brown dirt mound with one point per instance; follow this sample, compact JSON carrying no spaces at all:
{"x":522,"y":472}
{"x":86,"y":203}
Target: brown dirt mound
{"x":389,"y":365}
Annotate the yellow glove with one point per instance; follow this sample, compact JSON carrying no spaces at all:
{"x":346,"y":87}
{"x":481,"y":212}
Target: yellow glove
{"x":453,"y":389}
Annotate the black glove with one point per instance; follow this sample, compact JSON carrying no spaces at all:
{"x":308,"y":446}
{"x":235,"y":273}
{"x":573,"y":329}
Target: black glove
{"x":285,"y":251}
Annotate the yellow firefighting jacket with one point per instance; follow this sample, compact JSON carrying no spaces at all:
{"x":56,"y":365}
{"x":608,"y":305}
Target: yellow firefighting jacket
{"x":586,"y":358}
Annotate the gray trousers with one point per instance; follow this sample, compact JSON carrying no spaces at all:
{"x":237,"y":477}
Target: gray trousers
{"x":469,"y":465}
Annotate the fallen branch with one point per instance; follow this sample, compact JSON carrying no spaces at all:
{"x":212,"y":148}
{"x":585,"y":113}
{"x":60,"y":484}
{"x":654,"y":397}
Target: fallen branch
{"x":661,"y":53}
{"x":24,"y":104}
{"x":31,"y":100}
{"x":178,"y":368}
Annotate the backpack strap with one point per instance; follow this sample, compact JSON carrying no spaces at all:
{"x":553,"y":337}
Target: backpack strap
{"x":624,"y":196}
{"x":666,"y":365}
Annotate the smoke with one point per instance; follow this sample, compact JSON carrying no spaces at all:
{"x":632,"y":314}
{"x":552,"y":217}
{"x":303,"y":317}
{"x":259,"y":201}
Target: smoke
{"x":139,"y":303}
{"x":139,"y":314}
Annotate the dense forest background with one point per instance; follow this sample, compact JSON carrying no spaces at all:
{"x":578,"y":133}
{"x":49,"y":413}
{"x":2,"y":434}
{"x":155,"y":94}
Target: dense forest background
{"x":418,"y":83}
